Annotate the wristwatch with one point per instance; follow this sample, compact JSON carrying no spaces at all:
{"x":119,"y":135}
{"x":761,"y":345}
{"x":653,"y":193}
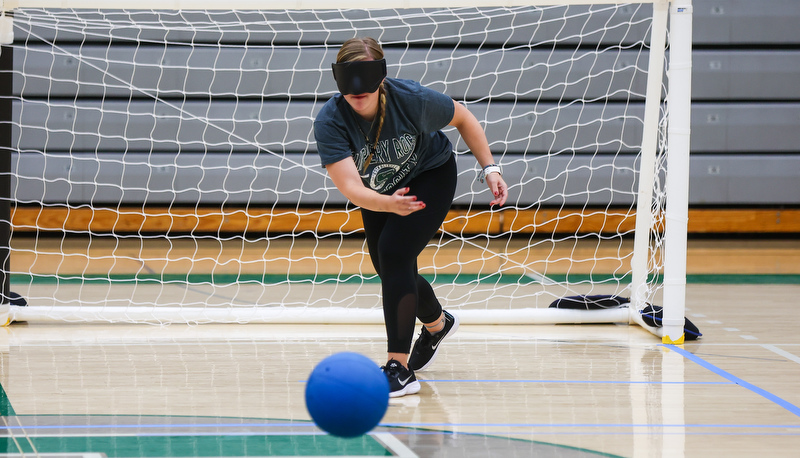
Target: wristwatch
{"x":491,"y":168}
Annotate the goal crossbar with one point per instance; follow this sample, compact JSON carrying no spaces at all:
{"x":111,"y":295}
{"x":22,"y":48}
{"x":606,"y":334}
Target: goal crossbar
{"x":291,"y":4}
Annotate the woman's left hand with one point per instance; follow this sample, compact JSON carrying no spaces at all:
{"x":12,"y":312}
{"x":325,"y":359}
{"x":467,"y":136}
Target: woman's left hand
{"x":498,"y":187}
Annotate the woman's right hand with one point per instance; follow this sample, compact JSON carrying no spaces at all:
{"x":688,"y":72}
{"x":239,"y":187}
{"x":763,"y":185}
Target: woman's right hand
{"x":403,"y":204}
{"x":347,"y":180}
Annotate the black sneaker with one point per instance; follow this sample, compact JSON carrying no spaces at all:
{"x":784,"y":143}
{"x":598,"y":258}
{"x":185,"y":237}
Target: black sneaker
{"x":427,"y":346}
{"x":402,"y":381}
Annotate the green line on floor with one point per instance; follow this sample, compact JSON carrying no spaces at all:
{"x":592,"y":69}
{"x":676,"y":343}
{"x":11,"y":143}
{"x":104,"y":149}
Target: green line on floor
{"x":207,"y":446}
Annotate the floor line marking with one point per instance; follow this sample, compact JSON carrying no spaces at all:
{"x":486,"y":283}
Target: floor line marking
{"x":722,"y":373}
{"x":585,"y":425}
{"x":394,"y":445}
{"x":571,"y":382}
{"x":783,"y":353}
{"x":587,"y":382}
{"x":315,"y":431}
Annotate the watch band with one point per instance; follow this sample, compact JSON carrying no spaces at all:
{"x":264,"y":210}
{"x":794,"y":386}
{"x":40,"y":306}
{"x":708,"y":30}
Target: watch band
{"x":491,"y":168}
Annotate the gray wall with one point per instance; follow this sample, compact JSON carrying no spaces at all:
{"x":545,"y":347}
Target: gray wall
{"x":175,"y":143}
{"x":746,"y":103}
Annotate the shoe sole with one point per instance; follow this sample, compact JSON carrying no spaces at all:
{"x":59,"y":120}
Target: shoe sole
{"x":411,"y":388}
{"x":436,"y":352}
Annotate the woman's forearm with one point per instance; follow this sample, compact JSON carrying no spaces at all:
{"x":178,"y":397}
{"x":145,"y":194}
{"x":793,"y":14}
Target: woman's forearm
{"x":473,"y":135}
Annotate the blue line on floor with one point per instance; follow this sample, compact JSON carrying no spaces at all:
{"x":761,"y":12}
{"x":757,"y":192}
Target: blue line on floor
{"x":589,"y":382}
{"x":308,"y":424}
{"x":722,"y":373}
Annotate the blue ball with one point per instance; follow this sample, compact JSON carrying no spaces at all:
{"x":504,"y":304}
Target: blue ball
{"x":347,"y":394}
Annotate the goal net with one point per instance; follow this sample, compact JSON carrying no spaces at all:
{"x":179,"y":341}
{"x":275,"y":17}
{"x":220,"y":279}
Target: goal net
{"x":163,"y":167}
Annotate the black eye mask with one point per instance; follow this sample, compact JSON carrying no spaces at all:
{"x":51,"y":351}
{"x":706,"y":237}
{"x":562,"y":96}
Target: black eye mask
{"x":360,"y":76}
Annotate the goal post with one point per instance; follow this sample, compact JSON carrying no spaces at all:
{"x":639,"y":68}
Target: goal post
{"x":677,"y":208}
{"x":163,"y":168}
{"x":6,"y":94}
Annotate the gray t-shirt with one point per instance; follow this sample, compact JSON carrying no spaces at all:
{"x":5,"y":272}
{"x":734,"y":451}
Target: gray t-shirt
{"x":411,"y":140}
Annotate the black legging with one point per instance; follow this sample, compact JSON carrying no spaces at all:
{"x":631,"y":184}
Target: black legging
{"x":395,"y":241}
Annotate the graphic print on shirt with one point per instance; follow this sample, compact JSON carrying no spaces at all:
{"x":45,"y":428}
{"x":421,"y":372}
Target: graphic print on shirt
{"x":392,"y":161}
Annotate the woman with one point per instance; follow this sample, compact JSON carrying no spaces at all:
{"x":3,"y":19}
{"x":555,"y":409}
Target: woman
{"x":382,"y":145}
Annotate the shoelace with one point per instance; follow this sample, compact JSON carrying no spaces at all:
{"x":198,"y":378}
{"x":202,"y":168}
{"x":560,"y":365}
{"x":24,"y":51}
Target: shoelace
{"x":392,"y":369}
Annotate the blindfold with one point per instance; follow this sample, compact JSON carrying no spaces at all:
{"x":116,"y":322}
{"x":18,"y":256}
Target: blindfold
{"x":360,"y":76}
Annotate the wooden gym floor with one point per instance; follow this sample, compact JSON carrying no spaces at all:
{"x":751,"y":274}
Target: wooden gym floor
{"x":552,"y":391}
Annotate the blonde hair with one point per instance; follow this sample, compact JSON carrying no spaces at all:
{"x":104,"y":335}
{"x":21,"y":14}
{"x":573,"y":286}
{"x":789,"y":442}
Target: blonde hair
{"x":366,"y":48}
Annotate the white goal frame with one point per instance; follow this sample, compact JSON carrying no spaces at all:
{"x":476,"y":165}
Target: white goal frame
{"x":679,"y":16}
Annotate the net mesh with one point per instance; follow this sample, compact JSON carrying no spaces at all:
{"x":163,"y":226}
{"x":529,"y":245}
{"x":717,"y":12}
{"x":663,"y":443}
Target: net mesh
{"x":164,"y":165}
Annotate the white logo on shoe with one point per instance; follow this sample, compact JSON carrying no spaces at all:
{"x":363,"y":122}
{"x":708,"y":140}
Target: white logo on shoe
{"x":403,"y":382}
